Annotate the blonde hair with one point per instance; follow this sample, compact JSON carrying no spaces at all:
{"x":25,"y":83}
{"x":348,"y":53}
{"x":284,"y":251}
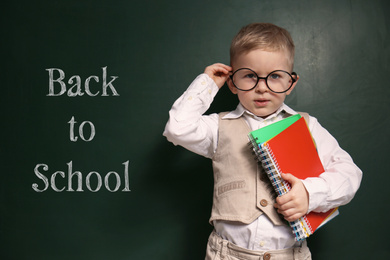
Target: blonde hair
{"x":264,"y":36}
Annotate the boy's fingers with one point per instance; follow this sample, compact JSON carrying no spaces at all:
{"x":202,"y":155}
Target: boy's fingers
{"x":285,"y":206}
{"x":292,"y":217}
{"x":283,"y":199}
{"x":289,"y":178}
{"x":290,"y":214}
{"x":218,"y":67}
{"x":222,"y":65}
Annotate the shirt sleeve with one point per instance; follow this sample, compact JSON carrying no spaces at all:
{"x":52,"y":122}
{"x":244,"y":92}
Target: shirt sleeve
{"x":341,"y":179}
{"x":187,"y":126}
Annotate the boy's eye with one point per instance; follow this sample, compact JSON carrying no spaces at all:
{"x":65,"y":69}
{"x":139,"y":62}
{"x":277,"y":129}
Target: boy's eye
{"x":274,"y":76}
{"x":250,"y":76}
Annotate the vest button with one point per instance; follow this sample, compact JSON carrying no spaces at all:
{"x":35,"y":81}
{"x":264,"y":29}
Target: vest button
{"x":267,"y":256}
{"x":263,"y":202}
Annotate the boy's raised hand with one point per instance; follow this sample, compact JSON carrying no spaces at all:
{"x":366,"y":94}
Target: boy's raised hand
{"x":295,"y":203}
{"x":219,"y":73}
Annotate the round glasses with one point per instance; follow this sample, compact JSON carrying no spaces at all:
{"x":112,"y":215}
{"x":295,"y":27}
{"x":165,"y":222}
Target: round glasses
{"x":278,"y":81}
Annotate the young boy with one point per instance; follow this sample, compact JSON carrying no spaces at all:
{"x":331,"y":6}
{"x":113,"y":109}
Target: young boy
{"x":246,"y":218}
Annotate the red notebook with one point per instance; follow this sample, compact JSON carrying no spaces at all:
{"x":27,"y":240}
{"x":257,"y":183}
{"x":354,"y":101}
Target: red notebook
{"x":293,"y":151}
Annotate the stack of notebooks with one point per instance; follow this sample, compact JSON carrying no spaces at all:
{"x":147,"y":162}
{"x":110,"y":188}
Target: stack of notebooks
{"x":288,"y":147}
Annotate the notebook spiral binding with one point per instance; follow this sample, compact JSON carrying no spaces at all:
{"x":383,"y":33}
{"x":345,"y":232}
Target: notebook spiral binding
{"x":301,"y":227}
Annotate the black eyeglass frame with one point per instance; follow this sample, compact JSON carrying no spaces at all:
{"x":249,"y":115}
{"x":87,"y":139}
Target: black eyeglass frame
{"x":265,"y":79}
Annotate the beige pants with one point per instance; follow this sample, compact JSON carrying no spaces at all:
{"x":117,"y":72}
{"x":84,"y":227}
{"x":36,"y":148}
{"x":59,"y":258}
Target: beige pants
{"x":218,"y":248}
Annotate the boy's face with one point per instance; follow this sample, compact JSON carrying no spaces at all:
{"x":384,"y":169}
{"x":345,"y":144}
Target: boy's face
{"x":261,"y":101}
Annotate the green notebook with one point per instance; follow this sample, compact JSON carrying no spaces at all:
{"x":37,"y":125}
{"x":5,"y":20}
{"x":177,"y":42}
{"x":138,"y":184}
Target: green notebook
{"x":266,"y":133}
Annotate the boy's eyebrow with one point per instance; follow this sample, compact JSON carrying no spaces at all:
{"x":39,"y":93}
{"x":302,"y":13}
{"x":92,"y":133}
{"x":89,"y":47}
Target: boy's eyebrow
{"x":252,"y":70}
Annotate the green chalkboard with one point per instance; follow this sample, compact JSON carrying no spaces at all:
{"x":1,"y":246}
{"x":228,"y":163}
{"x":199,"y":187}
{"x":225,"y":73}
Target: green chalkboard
{"x":86,"y":87}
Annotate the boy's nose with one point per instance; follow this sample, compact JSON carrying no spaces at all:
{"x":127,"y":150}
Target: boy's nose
{"x":261,"y":86}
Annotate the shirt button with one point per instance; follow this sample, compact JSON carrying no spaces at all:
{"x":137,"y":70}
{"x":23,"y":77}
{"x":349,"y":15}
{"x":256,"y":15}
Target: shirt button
{"x":263,"y":202}
{"x":262,"y":243}
{"x":267,"y":256}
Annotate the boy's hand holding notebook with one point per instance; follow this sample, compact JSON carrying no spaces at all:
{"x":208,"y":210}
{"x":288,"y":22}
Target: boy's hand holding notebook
{"x":295,"y":203}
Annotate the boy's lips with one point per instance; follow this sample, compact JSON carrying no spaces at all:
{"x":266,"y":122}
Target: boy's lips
{"x":261,"y":102}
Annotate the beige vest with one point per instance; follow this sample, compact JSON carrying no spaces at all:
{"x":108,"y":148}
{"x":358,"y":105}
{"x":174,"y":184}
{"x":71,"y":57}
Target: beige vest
{"x":240,"y":194}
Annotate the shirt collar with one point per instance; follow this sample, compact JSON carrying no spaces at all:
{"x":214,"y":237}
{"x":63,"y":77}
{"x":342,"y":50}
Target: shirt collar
{"x":240,"y":111}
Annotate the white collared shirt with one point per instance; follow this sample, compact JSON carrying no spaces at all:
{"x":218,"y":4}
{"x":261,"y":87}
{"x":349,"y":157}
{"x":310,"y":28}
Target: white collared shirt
{"x":188,"y":127}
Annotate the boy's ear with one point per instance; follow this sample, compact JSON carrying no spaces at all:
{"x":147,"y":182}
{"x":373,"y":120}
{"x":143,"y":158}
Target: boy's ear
{"x":293,"y":86}
{"x":232,"y":88}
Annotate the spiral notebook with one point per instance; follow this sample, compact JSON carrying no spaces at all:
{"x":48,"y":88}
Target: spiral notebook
{"x":287,"y":146}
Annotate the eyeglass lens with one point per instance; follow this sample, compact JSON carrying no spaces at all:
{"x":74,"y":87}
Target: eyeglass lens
{"x":277,"y":81}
